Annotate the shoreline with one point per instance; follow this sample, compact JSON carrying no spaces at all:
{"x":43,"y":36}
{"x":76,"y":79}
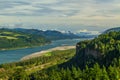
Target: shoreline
{"x":37,"y":54}
{"x":25,"y":47}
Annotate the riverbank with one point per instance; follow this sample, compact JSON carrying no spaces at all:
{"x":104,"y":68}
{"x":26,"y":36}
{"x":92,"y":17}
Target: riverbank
{"x":37,"y":54}
{"x":25,"y":47}
{"x":8,"y":56}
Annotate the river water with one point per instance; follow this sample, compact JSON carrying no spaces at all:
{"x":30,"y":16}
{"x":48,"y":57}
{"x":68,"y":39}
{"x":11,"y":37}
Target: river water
{"x":15,"y":55}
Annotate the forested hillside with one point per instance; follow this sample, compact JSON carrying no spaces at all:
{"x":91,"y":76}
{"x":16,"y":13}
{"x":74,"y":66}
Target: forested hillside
{"x":10,"y":39}
{"x":105,"y":50}
{"x":97,"y":59}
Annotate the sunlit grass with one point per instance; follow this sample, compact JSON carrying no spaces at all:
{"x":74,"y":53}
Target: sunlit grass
{"x":7,"y":32}
{"x":8,"y":37}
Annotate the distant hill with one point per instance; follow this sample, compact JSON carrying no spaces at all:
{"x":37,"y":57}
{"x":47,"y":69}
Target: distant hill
{"x":21,"y":38}
{"x":10,"y":39}
{"x":112,"y":29}
{"x":49,"y":34}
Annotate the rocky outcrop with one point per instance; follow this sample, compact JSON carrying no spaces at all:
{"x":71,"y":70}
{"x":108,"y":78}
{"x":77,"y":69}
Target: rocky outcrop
{"x":87,"y":51}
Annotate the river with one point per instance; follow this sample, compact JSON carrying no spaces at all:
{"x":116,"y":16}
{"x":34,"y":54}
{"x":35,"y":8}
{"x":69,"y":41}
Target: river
{"x":8,"y":56}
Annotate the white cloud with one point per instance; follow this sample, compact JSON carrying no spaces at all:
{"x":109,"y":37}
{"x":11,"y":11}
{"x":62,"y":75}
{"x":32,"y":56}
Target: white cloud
{"x":88,"y":32}
{"x":84,"y":30}
{"x":83,"y":8}
{"x":77,"y":12}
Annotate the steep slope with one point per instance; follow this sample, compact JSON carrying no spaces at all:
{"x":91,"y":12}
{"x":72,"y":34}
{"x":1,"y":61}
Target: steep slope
{"x":10,"y":39}
{"x":103,"y":50}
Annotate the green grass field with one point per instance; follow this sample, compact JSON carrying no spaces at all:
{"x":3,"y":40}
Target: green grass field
{"x":15,"y":40}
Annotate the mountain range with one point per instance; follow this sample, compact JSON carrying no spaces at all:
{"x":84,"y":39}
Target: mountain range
{"x":48,"y":34}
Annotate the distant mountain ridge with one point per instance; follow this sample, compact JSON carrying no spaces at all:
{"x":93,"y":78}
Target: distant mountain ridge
{"x":49,"y":34}
{"x":112,"y":29}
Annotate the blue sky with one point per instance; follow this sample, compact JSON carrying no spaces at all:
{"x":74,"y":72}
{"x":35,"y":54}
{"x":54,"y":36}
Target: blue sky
{"x":61,"y":14}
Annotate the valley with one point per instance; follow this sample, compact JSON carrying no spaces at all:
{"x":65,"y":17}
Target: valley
{"x":95,"y":59}
{"x":59,"y":39}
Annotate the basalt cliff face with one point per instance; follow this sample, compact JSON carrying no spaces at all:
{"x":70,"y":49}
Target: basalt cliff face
{"x":86,"y":56}
{"x":87,"y":51}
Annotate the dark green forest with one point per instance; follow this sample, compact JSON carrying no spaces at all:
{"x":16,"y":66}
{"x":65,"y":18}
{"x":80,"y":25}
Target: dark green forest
{"x":12,"y":40}
{"x":104,"y":50}
{"x":97,"y":59}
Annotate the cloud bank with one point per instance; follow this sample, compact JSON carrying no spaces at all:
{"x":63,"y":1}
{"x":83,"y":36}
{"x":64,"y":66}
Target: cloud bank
{"x":86,"y":12}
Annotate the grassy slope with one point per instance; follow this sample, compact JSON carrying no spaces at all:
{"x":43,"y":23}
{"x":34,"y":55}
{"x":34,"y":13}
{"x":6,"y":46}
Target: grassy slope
{"x":13,"y":40}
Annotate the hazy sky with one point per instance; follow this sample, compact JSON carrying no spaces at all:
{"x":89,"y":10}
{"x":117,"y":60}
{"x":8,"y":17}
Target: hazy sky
{"x":61,"y":14}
